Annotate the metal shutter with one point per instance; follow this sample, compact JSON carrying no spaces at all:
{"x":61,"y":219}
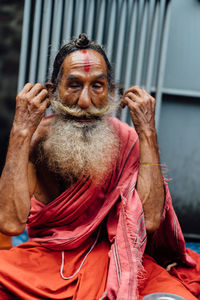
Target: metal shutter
{"x":133,"y":32}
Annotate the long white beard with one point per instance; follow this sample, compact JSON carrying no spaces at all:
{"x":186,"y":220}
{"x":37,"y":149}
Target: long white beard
{"x":73,"y":150}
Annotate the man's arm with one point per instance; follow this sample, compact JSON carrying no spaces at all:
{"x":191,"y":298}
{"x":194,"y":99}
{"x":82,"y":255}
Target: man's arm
{"x":150,"y":180}
{"x":31,"y":103}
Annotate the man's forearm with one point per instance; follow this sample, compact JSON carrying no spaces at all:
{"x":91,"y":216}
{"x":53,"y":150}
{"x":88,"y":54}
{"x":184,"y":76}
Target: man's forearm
{"x":14,"y":189}
{"x":150,"y":180}
{"x":31,"y":103}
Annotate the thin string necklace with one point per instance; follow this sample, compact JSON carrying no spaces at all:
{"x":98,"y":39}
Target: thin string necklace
{"x":76,"y":272}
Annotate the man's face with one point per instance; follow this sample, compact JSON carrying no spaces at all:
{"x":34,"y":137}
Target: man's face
{"x":81,"y":140}
{"x":84,"y":82}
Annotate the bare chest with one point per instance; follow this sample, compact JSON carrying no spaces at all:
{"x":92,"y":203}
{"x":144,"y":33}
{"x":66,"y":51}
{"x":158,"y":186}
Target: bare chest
{"x":44,"y":185}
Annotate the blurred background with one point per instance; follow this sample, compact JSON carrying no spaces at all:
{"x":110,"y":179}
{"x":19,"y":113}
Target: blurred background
{"x":152,"y":43}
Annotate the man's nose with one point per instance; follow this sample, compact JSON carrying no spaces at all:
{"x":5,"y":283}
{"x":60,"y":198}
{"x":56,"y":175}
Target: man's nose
{"x":84,"y":100}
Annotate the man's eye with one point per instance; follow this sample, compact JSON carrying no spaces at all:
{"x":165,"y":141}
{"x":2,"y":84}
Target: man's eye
{"x":97,"y":85}
{"x":74,"y":85}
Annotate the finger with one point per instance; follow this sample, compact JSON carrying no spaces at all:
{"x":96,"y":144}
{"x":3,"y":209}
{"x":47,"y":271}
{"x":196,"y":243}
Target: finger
{"x":45,"y":104}
{"x":149,"y":96}
{"x":35,"y":90}
{"x":133,"y":107}
{"x":153,"y":104}
{"x":37,"y":104}
{"x":133,"y":97}
{"x":142,"y":108}
{"x":134,"y":89}
{"x":26,"y":88}
{"x":41,"y":96}
{"x":128,"y":102}
{"x":38,"y":108}
{"x":151,"y":100}
{"x":123,"y":103}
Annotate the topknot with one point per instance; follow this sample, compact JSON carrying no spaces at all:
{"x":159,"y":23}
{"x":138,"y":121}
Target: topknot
{"x":82,"y":41}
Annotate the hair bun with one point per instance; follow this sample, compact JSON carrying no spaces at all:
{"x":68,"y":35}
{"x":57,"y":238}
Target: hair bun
{"x":82,"y":41}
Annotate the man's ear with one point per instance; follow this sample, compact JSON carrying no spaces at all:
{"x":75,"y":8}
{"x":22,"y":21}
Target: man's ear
{"x":50,"y":87}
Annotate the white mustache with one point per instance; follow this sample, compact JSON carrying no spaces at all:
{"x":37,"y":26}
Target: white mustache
{"x":77,"y":112}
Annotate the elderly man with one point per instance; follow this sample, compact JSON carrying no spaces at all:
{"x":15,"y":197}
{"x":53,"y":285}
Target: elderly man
{"x":88,"y":187}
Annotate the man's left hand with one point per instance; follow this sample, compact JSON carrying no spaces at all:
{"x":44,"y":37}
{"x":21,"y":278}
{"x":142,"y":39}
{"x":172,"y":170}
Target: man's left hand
{"x":142,"y":108}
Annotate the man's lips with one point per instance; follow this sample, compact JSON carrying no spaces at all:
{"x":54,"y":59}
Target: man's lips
{"x":83,"y":119}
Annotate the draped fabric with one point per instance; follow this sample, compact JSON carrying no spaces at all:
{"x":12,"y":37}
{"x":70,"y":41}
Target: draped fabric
{"x":190,"y":278}
{"x":167,"y":244}
{"x":158,"y":280}
{"x":31,"y":271}
{"x":68,"y":221}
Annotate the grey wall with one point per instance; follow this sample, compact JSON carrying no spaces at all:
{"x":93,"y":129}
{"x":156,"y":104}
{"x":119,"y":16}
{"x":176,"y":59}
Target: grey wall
{"x":179,"y":141}
{"x":179,"y":127}
{"x":183,"y":55}
{"x":11,"y":16}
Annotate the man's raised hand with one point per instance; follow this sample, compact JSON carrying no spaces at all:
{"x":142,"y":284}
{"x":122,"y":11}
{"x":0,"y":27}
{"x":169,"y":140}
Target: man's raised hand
{"x":150,"y":180}
{"x":31,"y":103}
{"x":142,"y":108}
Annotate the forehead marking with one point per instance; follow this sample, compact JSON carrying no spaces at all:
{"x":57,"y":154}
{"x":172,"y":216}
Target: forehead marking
{"x":87,"y":64}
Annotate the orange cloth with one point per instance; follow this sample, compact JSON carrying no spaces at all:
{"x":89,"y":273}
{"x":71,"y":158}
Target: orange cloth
{"x":31,"y":271}
{"x":189,"y":277}
{"x":157,"y":279}
{"x":5,"y":241}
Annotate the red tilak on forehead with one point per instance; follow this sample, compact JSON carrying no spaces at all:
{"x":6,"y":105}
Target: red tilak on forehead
{"x":86,"y":61}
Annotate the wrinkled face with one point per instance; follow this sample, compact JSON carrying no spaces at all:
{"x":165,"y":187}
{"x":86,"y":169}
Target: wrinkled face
{"x":81,"y":140}
{"x":84,"y":80}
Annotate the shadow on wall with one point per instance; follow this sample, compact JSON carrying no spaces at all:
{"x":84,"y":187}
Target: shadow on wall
{"x":10,"y":32}
{"x":179,"y":142}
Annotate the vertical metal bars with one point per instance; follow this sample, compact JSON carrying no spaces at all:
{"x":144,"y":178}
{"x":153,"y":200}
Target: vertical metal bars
{"x":44,"y":41}
{"x":56,"y":29}
{"x":162,"y":60}
{"x":67,"y":21}
{"x":111,"y":29}
{"x":35,"y":41}
{"x":78,"y":18}
{"x":24,"y":45}
{"x":134,"y":33}
{"x":120,"y":43}
{"x":152,"y":47}
{"x":89,"y":17}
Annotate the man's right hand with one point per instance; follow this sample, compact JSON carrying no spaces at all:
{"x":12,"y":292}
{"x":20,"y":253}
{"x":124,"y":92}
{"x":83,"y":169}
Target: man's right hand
{"x":31,"y":103}
{"x":15,"y":181}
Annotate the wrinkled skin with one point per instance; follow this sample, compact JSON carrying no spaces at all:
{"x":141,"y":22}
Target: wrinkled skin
{"x":142,"y":108}
{"x":31,"y":104}
{"x":150,"y":185}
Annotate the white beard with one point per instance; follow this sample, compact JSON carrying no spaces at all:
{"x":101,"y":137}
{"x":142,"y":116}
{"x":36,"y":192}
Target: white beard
{"x":74,"y":149}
